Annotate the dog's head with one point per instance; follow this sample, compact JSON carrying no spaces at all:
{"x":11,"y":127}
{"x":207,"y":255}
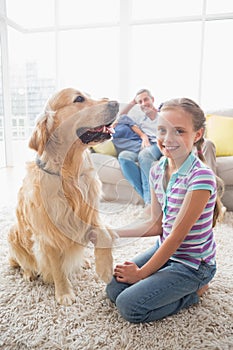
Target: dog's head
{"x":71,"y":115}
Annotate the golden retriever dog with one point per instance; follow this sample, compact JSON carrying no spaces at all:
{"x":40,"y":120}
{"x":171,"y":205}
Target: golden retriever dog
{"x":57,"y":211}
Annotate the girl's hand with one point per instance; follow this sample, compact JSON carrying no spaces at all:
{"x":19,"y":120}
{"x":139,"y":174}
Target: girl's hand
{"x":129,"y":272}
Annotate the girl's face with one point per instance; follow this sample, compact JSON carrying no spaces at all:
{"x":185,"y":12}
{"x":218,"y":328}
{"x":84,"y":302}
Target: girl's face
{"x":175,"y":135}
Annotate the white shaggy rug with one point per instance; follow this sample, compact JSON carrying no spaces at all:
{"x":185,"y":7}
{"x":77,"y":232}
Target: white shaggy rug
{"x":31,"y":319}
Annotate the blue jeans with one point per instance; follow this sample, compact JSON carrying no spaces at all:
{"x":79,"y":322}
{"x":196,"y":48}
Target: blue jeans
{"x":136,"y":168}
{"x":167,"y":291}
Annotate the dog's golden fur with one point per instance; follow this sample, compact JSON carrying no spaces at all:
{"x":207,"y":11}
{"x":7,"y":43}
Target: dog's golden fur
{"x":57,"y":211}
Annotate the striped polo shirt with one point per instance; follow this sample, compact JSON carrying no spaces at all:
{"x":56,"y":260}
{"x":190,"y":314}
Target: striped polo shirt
{"x":199,"y":244}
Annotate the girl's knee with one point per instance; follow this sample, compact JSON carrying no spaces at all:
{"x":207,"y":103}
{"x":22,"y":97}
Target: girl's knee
{"x":128,"y":309}
{"x":111,"y":292}
{"x":113,"y":289}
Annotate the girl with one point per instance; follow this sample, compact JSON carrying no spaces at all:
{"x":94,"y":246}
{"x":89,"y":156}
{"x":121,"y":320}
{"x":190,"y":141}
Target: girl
{"x":184,"y":208}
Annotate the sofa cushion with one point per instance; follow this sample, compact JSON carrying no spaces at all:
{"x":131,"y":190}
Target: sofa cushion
{"x":225,"y":169}
{"x":120,"y":194}
{"x":115,"y":186}
{"x":106,"y":147}
{"x":226,"y":112}
{"x":108,"y":168}
{"x":219,"y":130}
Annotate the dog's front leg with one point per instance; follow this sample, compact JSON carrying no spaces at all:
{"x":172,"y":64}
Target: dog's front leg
{"x":104,"y":263}
{"x":103,"y":240}
{"x":63,"y":290}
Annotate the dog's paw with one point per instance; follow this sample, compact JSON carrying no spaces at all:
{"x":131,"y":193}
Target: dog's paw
{"x":66,"y":299}
{"x":104,"y":270}
{"x":105,"y":275}
{"x":48,"y":278}
{"x":29,"y":275}
{"x":13,"y":263}
{"x":86,"y":264}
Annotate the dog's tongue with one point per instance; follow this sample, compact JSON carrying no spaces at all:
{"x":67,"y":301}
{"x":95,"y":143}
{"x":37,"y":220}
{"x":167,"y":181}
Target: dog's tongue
{"x":108,"y":130}
{"x":105,"y":130}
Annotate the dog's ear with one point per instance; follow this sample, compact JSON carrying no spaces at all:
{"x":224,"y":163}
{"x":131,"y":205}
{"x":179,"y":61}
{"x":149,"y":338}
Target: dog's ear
{"x":39,"y":136}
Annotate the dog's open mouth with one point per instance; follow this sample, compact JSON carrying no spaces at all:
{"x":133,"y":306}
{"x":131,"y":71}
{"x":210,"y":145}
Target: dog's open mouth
{"x":99,"y":134}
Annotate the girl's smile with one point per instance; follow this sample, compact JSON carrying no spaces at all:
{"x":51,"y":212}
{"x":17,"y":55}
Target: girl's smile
{"x":170,"y":148}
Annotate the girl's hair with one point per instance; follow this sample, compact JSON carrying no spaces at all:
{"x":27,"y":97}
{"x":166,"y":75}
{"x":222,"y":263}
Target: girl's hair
{"x":199,"y":122}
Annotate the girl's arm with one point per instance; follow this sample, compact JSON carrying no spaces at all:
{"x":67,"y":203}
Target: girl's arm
{"x":150,"y":227}
{"x":192,"y":207}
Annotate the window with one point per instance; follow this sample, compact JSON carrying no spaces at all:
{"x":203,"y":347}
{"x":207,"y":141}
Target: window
{"x":219,"y":7}
{"x":31,"y":14}
{"x":166,"y":59}
{"x":89,"y":60}
{"x":2,"y":138}
{"x":165,"y":8}
{"x":32,"y":80}
{"x":79,"y":12}
{"x":217,"y":67}
{"x":111,"y":48}
{"x":32,"y":68}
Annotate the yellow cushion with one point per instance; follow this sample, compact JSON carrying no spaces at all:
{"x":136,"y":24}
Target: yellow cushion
{"x":106,"y":147}
{"x":220,"y":131}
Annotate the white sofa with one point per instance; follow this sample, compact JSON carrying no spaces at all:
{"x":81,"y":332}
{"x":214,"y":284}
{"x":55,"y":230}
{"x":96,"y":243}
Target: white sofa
{"x":117,"y":189}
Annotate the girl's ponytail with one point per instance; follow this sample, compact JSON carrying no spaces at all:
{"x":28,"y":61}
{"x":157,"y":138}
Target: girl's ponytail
{"x":220,"y":184}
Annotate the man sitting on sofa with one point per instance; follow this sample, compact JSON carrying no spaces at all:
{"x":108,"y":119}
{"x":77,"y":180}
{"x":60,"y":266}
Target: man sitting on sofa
{"x":137,"y":149}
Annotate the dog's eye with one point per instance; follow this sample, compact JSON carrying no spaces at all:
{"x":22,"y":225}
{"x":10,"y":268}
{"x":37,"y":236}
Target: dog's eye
{"x":79,"y":99}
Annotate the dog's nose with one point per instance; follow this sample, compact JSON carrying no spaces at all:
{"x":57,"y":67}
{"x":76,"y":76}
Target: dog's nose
{"x":113,"y":105}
